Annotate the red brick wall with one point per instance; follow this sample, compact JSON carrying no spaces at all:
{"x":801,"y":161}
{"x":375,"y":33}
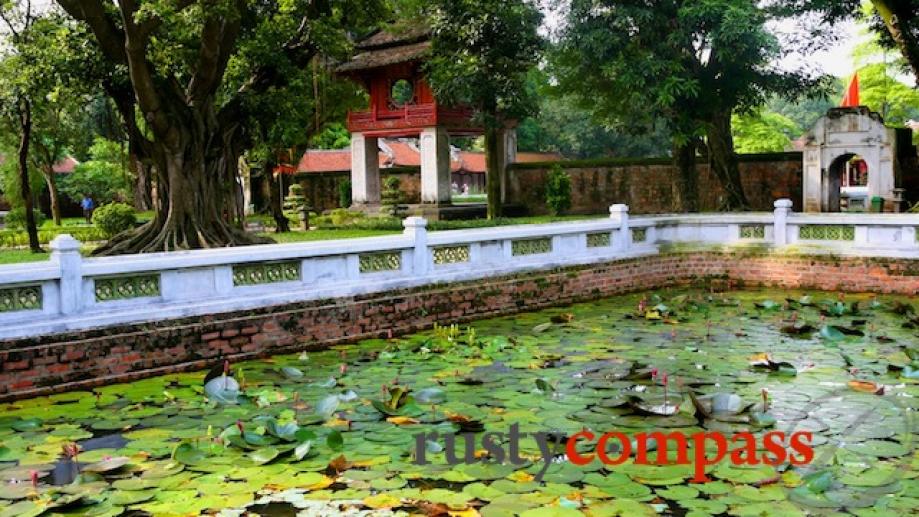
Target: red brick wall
{"x":77,"y":360}
{"x":649,"y":186}
{"x":646,"y":185}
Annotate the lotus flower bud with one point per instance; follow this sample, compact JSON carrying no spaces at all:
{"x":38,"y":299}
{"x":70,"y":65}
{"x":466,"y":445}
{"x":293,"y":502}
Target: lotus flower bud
{"x":34,"y":475}
{"x":239,"y":425}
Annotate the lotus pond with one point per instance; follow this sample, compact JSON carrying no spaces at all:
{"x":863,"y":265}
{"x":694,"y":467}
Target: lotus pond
{"x":332,"y":432}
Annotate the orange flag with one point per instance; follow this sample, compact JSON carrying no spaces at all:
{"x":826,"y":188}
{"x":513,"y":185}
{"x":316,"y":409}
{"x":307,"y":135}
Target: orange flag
{"x":850,"y":99}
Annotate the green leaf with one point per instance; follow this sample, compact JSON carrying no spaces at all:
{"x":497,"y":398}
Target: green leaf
{"x":335,"y":441}
{"x":187,"y":454}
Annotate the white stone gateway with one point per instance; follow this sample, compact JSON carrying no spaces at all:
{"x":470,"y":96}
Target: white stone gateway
{"x":838,"y":148}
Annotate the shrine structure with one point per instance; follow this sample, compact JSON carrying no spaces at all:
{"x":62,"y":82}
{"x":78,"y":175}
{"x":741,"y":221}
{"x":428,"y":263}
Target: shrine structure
{"x":852,"y":161}
{"x":402,"y":105}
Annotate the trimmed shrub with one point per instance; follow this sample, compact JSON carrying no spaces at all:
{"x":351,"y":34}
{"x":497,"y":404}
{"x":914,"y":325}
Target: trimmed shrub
{"x":114,"y":218}
{"x":558,"y":190}
{"x":16,"y":218}
{"x":392,"y":197}
{"x":344,"y":194}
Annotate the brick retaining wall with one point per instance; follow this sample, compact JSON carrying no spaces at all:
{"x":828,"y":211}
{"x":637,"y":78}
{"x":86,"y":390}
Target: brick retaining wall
{"x":46,"y":364}
{"x":649,"y":186}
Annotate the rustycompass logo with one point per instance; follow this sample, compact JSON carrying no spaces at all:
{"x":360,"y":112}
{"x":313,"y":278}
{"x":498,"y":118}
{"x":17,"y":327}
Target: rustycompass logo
{"x":615,"y":448}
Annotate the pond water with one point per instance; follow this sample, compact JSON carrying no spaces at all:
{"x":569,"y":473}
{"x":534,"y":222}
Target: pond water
{"x":335,"y":432}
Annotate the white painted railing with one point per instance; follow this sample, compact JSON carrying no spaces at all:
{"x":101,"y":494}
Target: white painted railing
{"x":70,"y":292}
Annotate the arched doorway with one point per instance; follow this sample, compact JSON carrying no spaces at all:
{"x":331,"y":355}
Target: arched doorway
{"x":845,"y":184}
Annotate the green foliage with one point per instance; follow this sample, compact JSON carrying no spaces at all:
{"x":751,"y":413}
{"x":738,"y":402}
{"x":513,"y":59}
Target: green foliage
{"x":894,"y":22}
{"x":16,"y":218}
{"x":391,"y":197}
{"x":344,"y":194}
{"x":568,"y":128}
{"x":763,"y":132}
{"x":103,"y":177}
{"x":9,"y":179}
{"x":803,"y":112}
{"x":15,"y":238}
{"x":482,"y":51}
{"x":881,"y":91}
{"x":679,"y":62}
{"x":295,"y":199}
{"x":333,"y":136}
{"x":558,"y":190}
{"x":114,"y":218}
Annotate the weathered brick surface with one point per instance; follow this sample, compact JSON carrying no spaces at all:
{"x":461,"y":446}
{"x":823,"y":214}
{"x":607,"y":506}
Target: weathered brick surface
{"x":647,"y":186}
{"x":653,"y":188}
{"x":60,"y":362}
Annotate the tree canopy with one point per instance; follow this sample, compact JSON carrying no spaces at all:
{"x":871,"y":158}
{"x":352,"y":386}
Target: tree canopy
{"x":186,"y":77}
{"x":482,"y":53}
{"x":692,"y":64}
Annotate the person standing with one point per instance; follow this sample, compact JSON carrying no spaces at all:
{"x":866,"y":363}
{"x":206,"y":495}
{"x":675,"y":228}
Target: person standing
{"x":88,"y":206}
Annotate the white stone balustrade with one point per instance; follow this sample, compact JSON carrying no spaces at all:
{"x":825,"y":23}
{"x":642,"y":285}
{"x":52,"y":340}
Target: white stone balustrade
{"x":70,"y":292}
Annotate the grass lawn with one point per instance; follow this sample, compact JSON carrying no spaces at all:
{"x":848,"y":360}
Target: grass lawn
{"x":18,"y":256}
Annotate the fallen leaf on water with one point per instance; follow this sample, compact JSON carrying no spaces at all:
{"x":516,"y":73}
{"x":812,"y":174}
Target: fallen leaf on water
{"x":867,"y":387}
{"x":401,"y":420}
{"x":340,"y":464}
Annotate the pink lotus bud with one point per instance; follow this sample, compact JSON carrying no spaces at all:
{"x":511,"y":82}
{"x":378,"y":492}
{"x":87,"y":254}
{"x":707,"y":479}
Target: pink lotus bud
{"x":342,"y":368}
{"x":34,"y":475}
{"x":664,"y":379}
{"x":389,"y":334}
{"x":226,"y":367}
{"x":654,"y":373}
{"x":239,"y":425}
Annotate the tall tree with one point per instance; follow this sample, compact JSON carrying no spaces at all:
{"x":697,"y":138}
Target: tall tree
{"x":624,"y":63}
{"x":691,"y":63}
{"x":17,"y":99}
{"x":190,"y":71}
{"x":482,"y":52}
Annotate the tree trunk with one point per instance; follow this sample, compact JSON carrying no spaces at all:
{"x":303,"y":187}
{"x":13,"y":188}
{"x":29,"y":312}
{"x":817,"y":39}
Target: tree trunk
{"x":723,"y":160}
{"x":25,"y":188}
{"x":281,"y":223}
{"x":142,"y":190}
{"x":197,"y":197}
{"x":901,"y":35}
{"x":53,"y":195}
{"x":494,"y":174}
{"x":684,"y":159}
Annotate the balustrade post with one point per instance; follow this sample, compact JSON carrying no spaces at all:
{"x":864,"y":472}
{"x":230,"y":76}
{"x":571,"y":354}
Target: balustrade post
{"x":416,"y":228}
{"x":780,"y":225}
{"x":620,"y":212}
{"x":65,"y":252}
